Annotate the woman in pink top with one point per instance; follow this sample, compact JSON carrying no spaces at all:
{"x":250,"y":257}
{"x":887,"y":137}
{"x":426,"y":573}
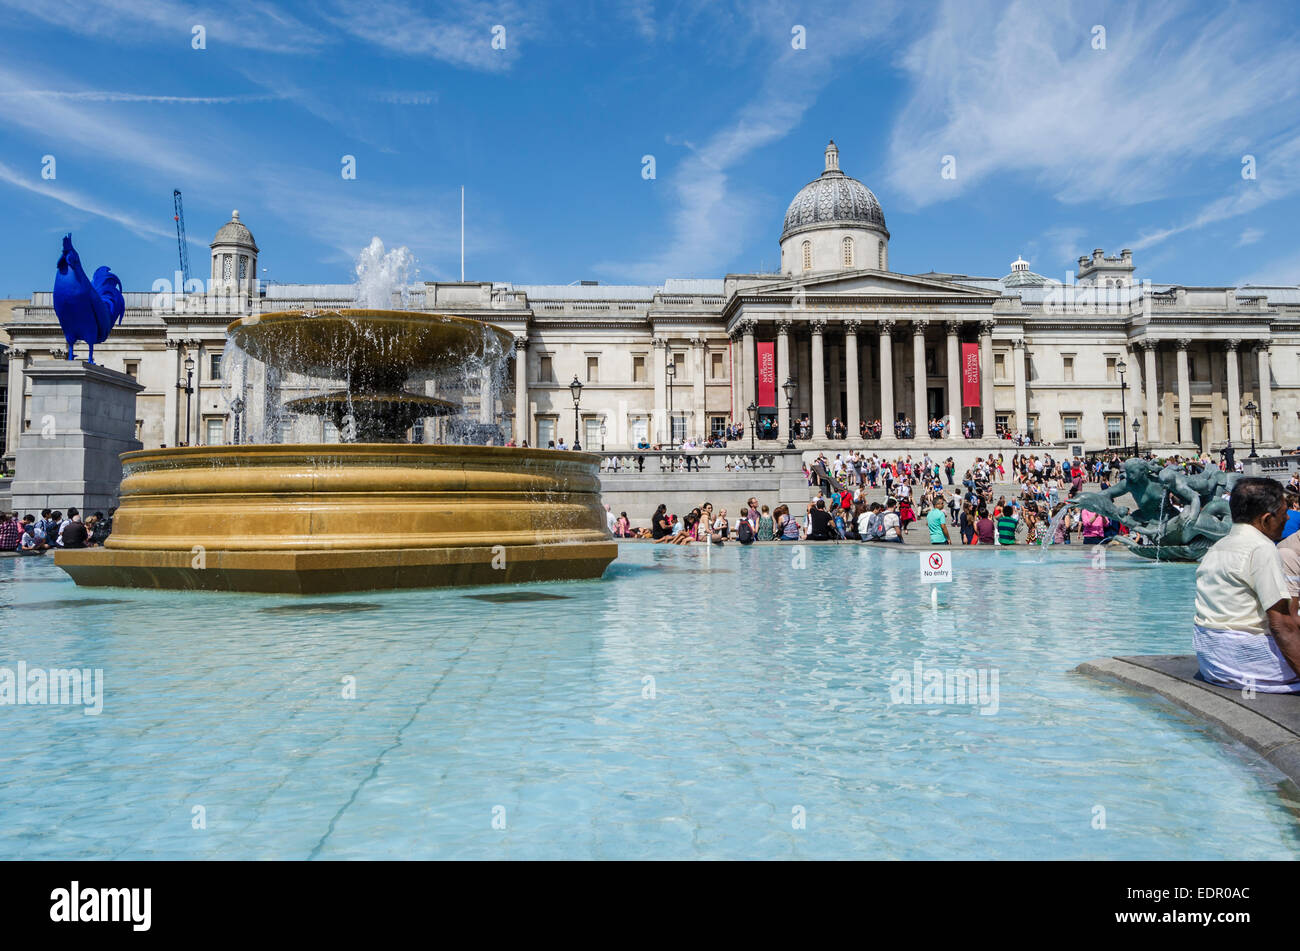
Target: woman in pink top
{"x":1094,"y":526}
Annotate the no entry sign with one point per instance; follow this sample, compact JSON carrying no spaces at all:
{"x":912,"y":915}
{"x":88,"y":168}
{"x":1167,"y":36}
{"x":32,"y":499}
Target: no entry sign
{"x":936,"y":567}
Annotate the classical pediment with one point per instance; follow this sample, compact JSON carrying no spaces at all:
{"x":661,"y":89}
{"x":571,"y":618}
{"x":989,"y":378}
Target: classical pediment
{"x":870,"y":283}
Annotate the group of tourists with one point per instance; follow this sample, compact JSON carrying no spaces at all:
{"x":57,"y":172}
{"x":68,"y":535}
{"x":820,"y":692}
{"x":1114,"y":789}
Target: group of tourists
{"x":32,"y":535}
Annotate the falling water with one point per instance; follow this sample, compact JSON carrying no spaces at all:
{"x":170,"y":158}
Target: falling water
{"x":1163,"y":497}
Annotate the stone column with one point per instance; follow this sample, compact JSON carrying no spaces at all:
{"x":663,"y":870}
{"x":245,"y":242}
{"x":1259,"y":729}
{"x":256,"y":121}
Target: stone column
{"x":1018,"y":374}
{"x":194,"y":404}
{"x":1184,"y":393}
{"x":853,"y":412}
{"x":835,"y":366}
{"x":172,"y":400}
{"x":1234,"y":389}
{"x":887,"y":379}
{"x":988,"y":424}
{"x":1265,"y":395}
{"x":954,"y":379}
{"x":1149,"y":383}
{"x":697,"y":386}
{"x":17,"y":385}
{"x":782,"y":374}
{"x":920,"y":418}
{"x":658,"y":432}
{"x":816,"y":326}
{"x":521,"y":429}
{"x":747,"y":328}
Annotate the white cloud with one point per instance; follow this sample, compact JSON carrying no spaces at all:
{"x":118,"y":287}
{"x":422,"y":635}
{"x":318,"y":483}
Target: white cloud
{"x":1249,"y":236}
{"x":460,"y":33}
{"x":81,"y":202}
{"x":1020,"y":90}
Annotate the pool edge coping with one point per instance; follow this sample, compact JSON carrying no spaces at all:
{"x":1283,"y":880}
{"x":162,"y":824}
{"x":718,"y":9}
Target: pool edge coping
{"x":1274,"y":742}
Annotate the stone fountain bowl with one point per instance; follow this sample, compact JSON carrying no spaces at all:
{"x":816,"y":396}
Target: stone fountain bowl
{"x":350,"y":517}
{"x":339,"y":343}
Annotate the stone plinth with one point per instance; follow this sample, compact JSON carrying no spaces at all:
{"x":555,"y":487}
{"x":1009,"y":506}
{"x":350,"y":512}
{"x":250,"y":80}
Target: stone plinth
{"x":82,"y":419}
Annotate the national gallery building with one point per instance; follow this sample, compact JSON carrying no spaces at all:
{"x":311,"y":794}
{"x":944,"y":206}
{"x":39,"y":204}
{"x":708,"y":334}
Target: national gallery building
{"x":1063,"y":363}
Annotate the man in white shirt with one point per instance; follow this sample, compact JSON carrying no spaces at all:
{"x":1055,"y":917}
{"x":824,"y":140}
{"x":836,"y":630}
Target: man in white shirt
{"x":1246,"y":633}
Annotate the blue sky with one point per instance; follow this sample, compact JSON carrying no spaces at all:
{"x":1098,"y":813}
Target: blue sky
{"x":1059,"y":147}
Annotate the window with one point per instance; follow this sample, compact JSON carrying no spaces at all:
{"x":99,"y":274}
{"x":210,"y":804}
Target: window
{"x":593,"y":369}
{"x":214,"y":366}
{"x":1031,"y":427}
{"x":640,"y":430}
{"x":132,"y":369}
{"x":591,"y":434}
{"x":717,"y":425}
{"x":243,"y":267}
{"x":848,"y":252}
{"x":1002,"y":421}
{"x":679,"y":360}
{"x":545,"y":432}
{"x":545,"y":371}
{"x":1067,"y":369}
{"x":214,"y":431}
{"x":931,"y":362}
{"x":1070,"y":427}
{"x":881,"y":255}
{"x":1114,"y":431}
{"x":807,"y":255}
{"x":679,"y":429}
{"x":1111,"y":376}
{"x":999,"y":366}
{"x":329,"y":432}
{"x":638,"y":369}
{"x":227,"y":266}
{"x":417,"y":431}
{"x":717,"y":369}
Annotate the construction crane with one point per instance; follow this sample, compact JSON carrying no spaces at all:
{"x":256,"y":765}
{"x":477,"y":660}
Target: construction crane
{"x":180,"y":239}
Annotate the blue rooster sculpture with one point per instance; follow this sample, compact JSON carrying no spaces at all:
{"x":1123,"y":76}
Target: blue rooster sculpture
{"x":87,"y":308}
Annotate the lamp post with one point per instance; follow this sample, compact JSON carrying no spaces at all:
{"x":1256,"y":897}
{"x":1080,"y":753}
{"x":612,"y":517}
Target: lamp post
{"x":186,"y":386}
{"x":602,"y":435}
{"x":788,"y":388}
{"x":1123,"y":408}
{"x":670,"y":372}
{"x":1252,"y":409}
{"x":1137,"y":424}
{"x":753,"y":422}
{"x":575,"y":390}
{"x":237,"y":407}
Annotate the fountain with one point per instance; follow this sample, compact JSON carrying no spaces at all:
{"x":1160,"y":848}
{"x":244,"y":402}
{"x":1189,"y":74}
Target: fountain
{"x":372,"y":511}
{"x":1203,"y":517}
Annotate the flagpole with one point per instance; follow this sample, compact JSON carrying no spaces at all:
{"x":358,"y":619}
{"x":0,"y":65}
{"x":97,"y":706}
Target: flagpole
{"x":462,"y":234}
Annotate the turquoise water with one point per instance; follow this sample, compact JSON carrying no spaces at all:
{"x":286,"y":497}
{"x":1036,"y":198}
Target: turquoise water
{"x":524,"y":726}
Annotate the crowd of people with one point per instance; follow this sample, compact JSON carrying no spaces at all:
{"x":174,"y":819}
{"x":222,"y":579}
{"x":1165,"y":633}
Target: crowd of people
{"x":30,"y":535}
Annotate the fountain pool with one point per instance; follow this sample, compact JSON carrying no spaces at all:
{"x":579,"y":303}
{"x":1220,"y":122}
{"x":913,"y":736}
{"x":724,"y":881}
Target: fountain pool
{"x":693,"y":703}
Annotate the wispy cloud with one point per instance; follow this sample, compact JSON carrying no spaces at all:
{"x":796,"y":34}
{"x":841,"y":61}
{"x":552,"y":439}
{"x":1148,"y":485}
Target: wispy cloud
{"x":461,"y":32}
{"x":1249,"y":236}
{"x":104,"y":95}
{"x":1019,"y":89}
{"x":261,"y":25}
{"x":82,"y":202}
{"x":710,"y":218}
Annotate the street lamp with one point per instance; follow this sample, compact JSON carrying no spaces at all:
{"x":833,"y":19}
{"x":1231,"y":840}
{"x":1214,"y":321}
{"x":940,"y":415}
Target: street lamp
{"x":1123,"y":409}
{"x":670,"y":372}
{"x":788,"y":388}
{"x":1137,"y":424}
{"x":237,"y":407}
{"x":575,"y":390}
{"x":602,"y":435}
{"x":753,"y":423}
{"x":186,"y":386}
{"x":1251,"y":408}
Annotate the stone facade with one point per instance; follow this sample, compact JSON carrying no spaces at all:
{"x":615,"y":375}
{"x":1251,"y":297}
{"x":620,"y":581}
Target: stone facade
{"x":1072,"y":362}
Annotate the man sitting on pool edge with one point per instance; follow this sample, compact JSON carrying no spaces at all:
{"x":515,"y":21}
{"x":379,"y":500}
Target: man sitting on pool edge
{"x":1245,"y":633}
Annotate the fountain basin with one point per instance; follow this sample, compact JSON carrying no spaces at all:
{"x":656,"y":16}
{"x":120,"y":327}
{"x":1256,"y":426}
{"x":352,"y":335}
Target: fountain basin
{"x":349,"y":517}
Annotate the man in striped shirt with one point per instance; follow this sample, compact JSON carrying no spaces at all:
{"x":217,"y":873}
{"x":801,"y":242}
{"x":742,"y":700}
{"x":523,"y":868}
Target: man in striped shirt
{"x":1006,"y":524}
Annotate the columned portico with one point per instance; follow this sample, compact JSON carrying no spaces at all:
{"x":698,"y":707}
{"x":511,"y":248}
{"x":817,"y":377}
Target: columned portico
{"x":1184,"y":393}
{"x":747,"y":328}
{"x":1234,"y":391}
{"x":988,"y":424}
{"x":815,"y":327}
{"x":887,"y":376}
{"x":954,"y":379}
{"x":1018,"y":376}
{"x":920,"y":421}
{"x":853,"y":411}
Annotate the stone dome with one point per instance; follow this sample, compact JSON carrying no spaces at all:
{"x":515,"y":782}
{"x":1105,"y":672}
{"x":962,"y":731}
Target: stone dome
{"x":833,"y":199}
{"x":234,"y":232}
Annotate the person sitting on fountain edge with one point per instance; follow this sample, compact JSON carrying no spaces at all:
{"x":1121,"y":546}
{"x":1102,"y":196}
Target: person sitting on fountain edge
{"x":1245,"y":632}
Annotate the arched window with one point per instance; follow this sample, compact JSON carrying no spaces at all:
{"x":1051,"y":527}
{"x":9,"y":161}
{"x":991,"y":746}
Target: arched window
{"x":807,"y":255}
{"x":881,"y":256}
{"x":848,"y":252}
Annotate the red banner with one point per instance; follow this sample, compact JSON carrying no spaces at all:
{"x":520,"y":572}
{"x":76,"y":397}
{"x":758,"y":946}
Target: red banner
{"x":767,"y":374}
{"x":970,"y":374}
